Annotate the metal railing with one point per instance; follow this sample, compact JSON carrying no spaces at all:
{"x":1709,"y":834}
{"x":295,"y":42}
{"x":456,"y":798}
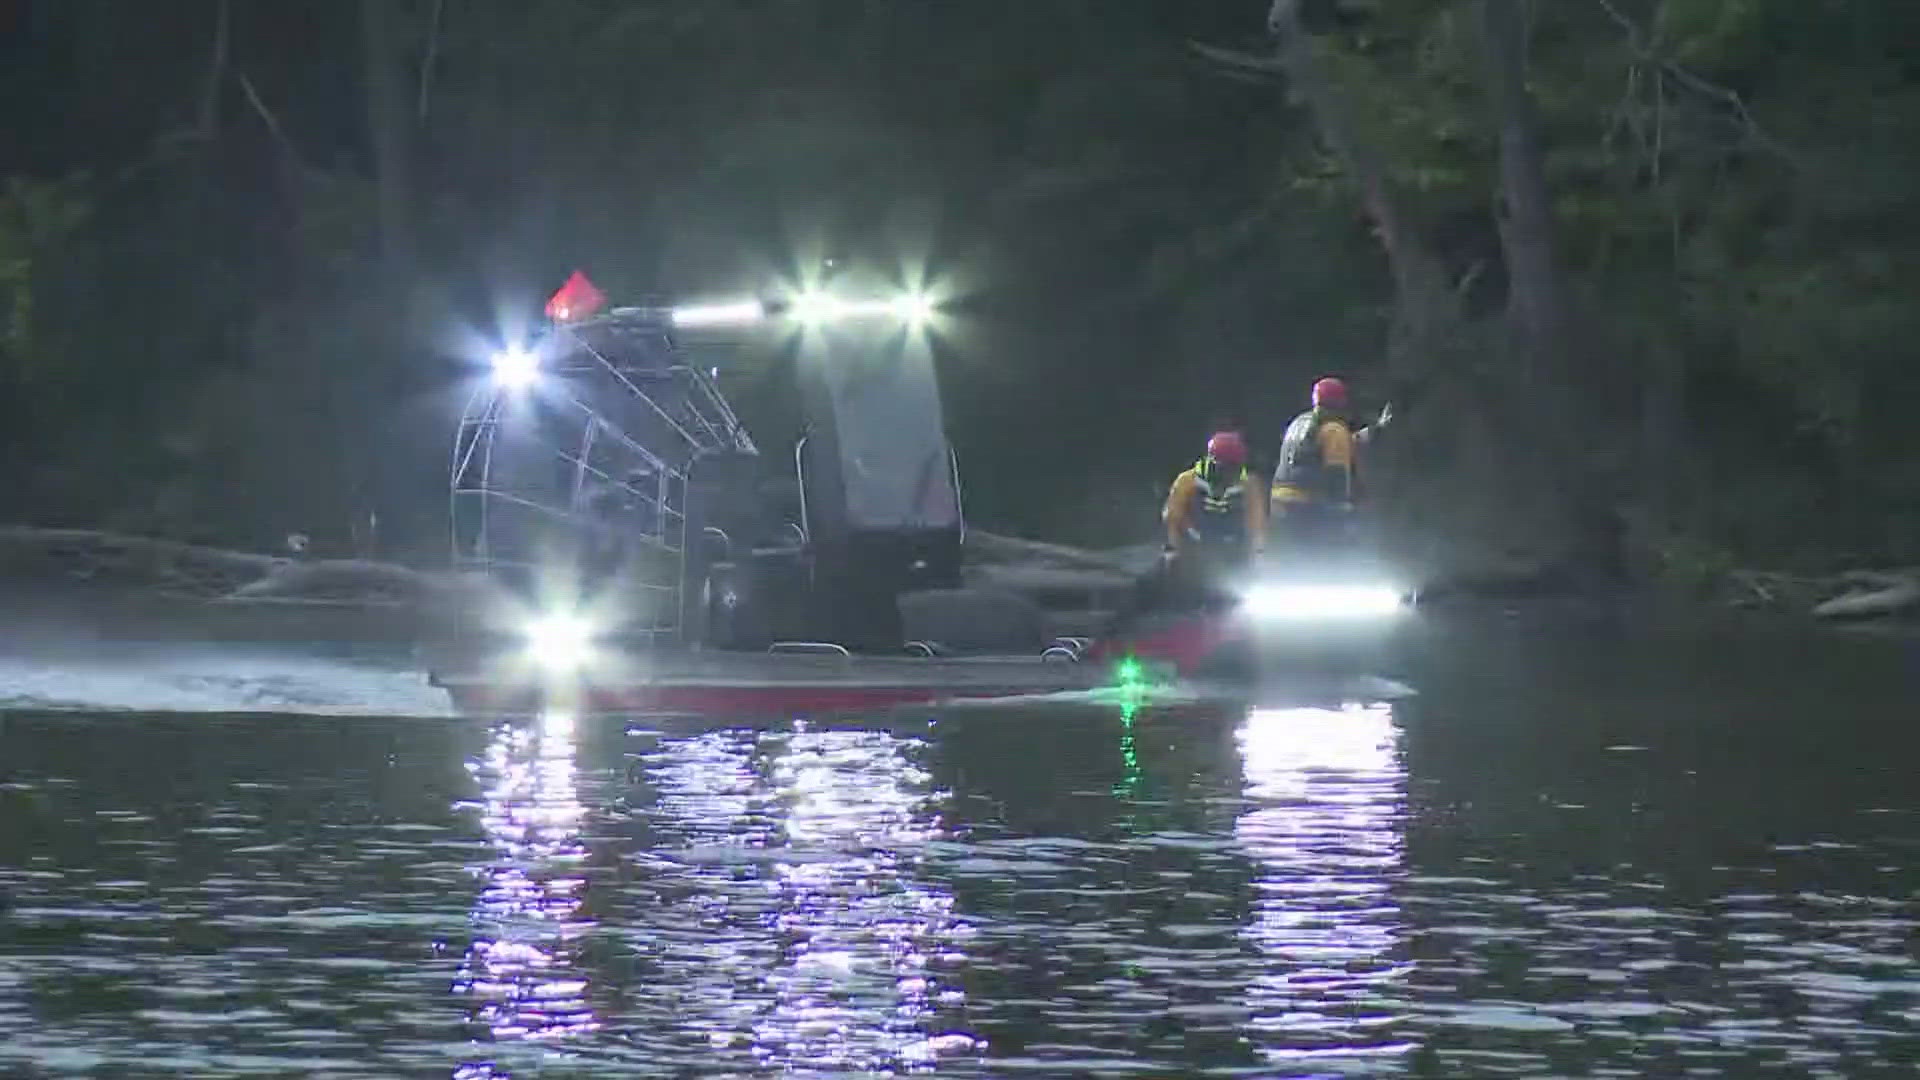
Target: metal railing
{"x":592,"y":464}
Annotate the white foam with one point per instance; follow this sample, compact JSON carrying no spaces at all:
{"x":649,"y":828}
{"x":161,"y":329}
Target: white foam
{"x":1169,"y":694}
{"x":215,"y":682}
{"x":1363,"y":688}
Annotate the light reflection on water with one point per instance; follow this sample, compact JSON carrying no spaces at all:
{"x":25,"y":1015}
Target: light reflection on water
{"x":794,"y":854}
{"x":1619,"y":885}
{"x":868,"y":939}
{"x":521,"y":969}
{"x":1326,"y":834}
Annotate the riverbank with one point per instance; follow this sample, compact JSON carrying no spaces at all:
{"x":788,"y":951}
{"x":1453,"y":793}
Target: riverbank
{"x":85,"y":584}
{"x":120,"y":587}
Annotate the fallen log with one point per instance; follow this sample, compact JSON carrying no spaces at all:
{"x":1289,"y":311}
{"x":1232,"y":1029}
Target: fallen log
{"x":356,"y":579}
{"x":1771,"y":588}
{"x":108,"y":557}
{"x":176,"y":568}
{"x":172,"y":567}
{"x":1890,"y":594}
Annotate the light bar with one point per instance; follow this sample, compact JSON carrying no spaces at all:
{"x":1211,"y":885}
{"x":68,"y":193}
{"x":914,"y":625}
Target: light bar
{"x":914,"y":308}
{"x":1310,"y":602}
{"x":745,"y":311}
{"x":815,"y":308}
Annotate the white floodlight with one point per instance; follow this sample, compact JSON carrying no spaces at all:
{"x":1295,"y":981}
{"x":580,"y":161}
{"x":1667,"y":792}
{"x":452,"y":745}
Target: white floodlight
{"x":733,"y":314}
{"x":1295,"y":603}
{"x":913,"y":308}
{"x":559,"y":643}
{"x":515,"y":368}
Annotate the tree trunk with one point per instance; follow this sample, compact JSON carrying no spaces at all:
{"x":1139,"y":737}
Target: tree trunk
{"x":1663,"y":410}
{"x":1503,"y":503}
{"x":1425,"y":308}
{"x":1550,"y":426}
{"x":1536,"y":306}
{"x":1443,"y":519}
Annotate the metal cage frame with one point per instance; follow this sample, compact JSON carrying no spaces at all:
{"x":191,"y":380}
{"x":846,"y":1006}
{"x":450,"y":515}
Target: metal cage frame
{"x":649,"y":407}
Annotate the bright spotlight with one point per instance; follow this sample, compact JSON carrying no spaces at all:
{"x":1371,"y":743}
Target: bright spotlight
{"x":515,"y":368}
{"x":817,"y":308}
{"x":718,"y":314}
{"x":913,"y":308}
{"x":814,"y":308}
{"x":1293,"y":603}
{"x":559,"y":643}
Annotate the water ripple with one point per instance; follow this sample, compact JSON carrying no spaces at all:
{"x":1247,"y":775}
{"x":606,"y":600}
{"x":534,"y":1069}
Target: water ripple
{"x":1074,"y":891}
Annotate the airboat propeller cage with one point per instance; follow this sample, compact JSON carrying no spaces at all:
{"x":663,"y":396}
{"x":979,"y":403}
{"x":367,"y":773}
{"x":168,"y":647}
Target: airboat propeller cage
{"x":577,"y":481}
{"x":617,"y":467}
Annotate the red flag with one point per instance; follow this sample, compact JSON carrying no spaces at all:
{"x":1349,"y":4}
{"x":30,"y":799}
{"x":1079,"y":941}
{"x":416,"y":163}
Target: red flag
{"x":577,"y":299}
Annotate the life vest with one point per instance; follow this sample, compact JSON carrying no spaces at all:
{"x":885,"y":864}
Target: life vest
{"x":1219,"y":511}
{"x":1303,"y":466}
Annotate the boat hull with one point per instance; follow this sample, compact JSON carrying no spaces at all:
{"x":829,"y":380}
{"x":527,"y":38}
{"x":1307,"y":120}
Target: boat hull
{"x":754,"y":684}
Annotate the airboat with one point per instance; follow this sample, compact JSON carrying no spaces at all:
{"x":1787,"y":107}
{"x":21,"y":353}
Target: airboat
{"x":625,"y":544}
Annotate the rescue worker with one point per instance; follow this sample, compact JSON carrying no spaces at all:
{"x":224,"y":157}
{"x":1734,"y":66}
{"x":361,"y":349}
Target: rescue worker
{"x":1314,"y":484}
{"x":1213,"y":511}
{"x":1215,"y":526}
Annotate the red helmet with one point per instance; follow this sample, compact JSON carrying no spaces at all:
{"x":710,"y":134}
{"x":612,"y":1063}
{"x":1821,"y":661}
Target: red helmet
{"x":1227,"y":448}
{"x":1331,"y":393}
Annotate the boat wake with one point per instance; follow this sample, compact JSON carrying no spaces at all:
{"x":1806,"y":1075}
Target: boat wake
{"x":1361,"y":688}
{"x":214,"y":681}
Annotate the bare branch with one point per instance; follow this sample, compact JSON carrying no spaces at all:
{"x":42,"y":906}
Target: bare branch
{"x":1621,"y":110}
{"x":1637,"y":40}
{"x":1266,"y":66}
{"x":433,"y":54}
{"x":216,"y":72}
{"x":266,"y":115}
{"x":1469,"y":279}
{"x":1659,"y":123}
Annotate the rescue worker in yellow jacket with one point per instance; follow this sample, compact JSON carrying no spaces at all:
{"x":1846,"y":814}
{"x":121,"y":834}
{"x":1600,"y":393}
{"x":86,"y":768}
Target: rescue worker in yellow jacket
{"x":1216,"y":525}
{"x":1214,"y":510}
{"x":1315,"y":484}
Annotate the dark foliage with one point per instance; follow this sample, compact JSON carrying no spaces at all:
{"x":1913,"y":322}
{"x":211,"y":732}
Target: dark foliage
{"x":249,"y":256}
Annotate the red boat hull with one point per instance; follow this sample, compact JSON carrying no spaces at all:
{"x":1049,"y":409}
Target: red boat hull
{"x":1184,"y":644}
{"x":722,"y":699}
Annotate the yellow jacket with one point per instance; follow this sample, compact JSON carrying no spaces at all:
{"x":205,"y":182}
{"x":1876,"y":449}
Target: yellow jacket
{"x":1190,"y":489}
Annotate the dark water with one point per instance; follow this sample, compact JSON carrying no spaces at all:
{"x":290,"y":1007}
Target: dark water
{"x":1594,"y":856}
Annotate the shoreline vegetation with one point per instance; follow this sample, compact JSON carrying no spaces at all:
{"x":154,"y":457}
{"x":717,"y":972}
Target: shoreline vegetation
{"x":155,"y":567}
